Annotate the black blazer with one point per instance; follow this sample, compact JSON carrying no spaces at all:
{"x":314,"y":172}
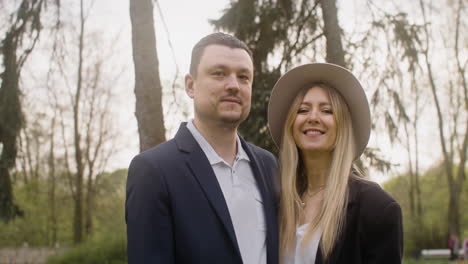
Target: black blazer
{"x":373,"y":230}
{"x":175,"y":209}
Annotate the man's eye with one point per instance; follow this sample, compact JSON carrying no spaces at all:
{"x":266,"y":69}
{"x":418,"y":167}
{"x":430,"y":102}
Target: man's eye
{"x":244,"y":77}
{"x":218,"y":73}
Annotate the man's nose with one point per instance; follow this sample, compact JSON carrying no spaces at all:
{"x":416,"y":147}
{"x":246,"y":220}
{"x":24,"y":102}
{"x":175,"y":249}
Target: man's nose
{"x":232,"y":83}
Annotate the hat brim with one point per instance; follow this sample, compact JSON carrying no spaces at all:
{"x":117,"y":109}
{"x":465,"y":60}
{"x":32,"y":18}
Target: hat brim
{"x":288,"y":86}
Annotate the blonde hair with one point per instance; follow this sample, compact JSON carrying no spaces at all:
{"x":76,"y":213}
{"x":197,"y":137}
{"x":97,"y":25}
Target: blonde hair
{"x":331,"y":216}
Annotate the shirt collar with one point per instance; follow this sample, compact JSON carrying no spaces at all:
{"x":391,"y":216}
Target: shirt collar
{"x":210,"y":153}
{"x":241,"y":154}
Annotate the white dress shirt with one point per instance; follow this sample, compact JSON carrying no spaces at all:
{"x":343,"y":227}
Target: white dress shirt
{"x":242,"y":197}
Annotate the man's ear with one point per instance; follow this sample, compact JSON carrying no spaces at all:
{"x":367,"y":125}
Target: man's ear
{"x":189,"y":85}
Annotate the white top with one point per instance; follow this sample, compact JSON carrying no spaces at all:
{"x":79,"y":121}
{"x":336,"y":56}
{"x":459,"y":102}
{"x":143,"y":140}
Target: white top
{"x":242,"y":197}
{"x":307,"y":254}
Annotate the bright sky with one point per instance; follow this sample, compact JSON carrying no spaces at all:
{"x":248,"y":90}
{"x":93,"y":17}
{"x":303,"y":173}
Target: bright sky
{"x":187,"y":22}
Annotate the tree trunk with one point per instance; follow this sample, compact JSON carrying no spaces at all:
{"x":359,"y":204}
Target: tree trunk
{"x":89,"y":206}
{"x":454,"y":181}
{"x":335,"y":53}
{"x":11,"y":121}
{"x":53,"y":213}
{"x":148,"y":89}
{"x":78,"y":211}
{"x":418,"y":202}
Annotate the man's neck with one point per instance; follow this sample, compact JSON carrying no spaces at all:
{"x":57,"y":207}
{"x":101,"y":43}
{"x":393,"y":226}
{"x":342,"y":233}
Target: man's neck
{"x":223,"y":139}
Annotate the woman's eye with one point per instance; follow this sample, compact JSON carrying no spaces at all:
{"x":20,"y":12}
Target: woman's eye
{"x":301,"y":111}
{"x":328,"y":111}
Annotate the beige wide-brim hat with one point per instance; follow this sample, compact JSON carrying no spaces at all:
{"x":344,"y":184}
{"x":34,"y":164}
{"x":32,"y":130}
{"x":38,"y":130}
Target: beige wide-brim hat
{"x":289,"y":85}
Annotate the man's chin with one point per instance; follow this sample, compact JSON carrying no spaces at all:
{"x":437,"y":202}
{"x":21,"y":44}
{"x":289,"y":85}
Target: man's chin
{"x":232,"y":118}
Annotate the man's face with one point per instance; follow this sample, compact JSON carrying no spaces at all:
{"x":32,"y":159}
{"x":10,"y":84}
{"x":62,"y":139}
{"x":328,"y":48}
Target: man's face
{"x":222,"y":87}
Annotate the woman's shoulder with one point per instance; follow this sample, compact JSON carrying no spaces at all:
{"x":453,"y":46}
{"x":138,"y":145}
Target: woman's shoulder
{"x":374,"y":202}
{"x":366,"y":190}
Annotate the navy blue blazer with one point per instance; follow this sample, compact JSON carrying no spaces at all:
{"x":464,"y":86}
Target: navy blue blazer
{"x":373,"y":229}
{"x":175,"y":209}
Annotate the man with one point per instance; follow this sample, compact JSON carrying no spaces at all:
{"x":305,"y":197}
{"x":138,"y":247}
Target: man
{"x":206,"y":196}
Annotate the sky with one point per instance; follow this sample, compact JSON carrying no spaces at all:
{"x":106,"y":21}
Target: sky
{"x":183,"y":23}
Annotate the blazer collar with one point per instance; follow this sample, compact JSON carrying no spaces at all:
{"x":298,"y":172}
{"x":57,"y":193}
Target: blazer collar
{"x":201,"y":169}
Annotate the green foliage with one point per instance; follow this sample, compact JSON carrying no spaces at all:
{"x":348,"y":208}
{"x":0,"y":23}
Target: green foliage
{"x":431,"y":230}
{"x":36,"y":227}
{"x":111,"y":250}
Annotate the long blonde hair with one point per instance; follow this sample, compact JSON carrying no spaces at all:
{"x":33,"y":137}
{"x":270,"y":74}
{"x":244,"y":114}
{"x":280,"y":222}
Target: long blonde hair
{"x":331,"y":216}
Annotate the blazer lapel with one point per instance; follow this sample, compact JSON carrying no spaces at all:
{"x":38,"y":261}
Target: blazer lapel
{"x":203,"y":172}
{"x":350,"y":214}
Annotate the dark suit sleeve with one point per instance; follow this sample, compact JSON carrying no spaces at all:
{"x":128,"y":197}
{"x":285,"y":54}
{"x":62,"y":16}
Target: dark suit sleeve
{"x":384,"y":234}
{"x":148,"y":216}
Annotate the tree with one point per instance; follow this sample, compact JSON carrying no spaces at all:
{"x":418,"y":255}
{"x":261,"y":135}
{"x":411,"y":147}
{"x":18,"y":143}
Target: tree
{"x":432,"y":232}
{"x":332,"y":30}
{"x":148,"y":89}
{"x":399,"y":94}
{"x":78,"y":73}
{"x":26,"y":23}
{"x":456,"y":143}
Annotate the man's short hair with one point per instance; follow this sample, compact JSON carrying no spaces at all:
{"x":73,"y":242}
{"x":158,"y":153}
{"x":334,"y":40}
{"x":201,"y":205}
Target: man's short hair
{"x":217,"y":38}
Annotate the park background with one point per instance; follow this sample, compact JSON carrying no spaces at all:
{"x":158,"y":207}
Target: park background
{"x":78,"y":77}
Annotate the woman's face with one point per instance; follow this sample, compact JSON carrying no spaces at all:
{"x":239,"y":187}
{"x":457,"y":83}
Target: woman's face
{"x":314,"y":129}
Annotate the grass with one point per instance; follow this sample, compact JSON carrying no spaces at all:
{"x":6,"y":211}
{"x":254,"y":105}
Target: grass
{"x":112,"y":251}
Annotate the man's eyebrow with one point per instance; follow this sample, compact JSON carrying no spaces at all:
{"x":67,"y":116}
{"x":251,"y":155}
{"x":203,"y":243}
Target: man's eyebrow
{"x":217,"y":66}
{"x":223,"y":66}
{"x":247,"y":70}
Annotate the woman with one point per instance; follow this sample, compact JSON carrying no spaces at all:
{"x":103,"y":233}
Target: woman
{"x":319,"y":117}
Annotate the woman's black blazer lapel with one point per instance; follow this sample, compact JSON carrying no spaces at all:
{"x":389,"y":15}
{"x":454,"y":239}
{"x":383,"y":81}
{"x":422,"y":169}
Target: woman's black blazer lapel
{"x":344,"y":243}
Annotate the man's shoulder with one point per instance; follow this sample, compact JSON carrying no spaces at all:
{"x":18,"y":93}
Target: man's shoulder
{"x":165,"y":150}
